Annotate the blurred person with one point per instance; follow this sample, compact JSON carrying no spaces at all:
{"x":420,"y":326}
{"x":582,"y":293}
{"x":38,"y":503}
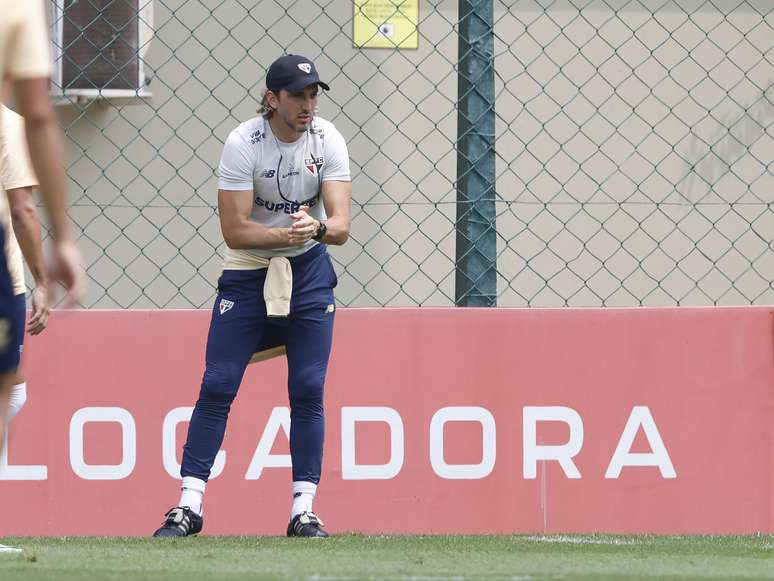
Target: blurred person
{"x":284,"y":193}
{"x":25,"y":60}
{"x":23,"y":239}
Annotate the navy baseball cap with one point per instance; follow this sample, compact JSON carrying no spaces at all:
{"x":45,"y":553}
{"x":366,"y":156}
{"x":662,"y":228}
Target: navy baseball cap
{"x":293,"y":73}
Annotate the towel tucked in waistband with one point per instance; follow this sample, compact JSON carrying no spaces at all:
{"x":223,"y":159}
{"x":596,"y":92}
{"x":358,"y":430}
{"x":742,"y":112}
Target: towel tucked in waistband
{"x":278,"y":286}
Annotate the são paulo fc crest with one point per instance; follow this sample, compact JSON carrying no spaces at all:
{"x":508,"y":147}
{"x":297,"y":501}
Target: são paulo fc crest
{"x":225,"y":305}
{"x":314,"y":164}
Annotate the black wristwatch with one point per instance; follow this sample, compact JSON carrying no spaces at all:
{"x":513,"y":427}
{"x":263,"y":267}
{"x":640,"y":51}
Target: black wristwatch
{"x":321,"y":231}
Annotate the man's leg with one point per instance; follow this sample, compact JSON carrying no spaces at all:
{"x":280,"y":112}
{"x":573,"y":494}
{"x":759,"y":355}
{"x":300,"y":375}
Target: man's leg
{"x":308,"y":342}
{"x":18,"y":394}
{"x":235,"y":330}
{"x":9,"y":350}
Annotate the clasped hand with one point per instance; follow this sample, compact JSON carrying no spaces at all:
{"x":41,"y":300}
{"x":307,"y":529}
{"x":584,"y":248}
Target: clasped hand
{"x":303,"y":228}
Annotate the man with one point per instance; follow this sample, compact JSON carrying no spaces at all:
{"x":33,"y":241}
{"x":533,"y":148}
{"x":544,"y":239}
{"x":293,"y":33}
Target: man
{"x":284,"y":194}
{"x":25,"y":59}
{"x":18,"y":179}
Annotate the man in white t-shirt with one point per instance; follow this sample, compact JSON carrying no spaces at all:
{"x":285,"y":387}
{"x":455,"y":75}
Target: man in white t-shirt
{"x":22,"y":227}
{"x":284,"y":193}
{"x":25,"y":59}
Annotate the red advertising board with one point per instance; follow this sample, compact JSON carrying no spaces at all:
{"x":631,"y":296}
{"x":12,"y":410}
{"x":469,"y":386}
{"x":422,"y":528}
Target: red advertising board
{"x":438,"y":421}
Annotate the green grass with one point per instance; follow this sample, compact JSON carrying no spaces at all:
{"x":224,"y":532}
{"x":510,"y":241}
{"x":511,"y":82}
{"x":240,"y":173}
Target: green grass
{"x":422,"y":558}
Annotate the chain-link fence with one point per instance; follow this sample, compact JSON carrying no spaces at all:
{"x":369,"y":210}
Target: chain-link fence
{"x":633,"y":139}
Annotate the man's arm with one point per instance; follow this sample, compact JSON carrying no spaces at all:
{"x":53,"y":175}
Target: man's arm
{"x":337,"y":199}
{"x":239,"y":232}
{"x":336,"y":191}
{"x":45,"y":145}
{"x":26,"y":226}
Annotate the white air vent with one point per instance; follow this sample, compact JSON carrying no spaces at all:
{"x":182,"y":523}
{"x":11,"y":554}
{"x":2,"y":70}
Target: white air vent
{"x":99,"y":47}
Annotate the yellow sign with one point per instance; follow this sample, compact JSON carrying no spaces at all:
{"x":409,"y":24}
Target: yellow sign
{"x":385,"y":23}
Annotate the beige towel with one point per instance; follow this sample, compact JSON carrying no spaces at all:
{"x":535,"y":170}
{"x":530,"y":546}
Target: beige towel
{"x":278,"y":287}
{"x":279,"y":279}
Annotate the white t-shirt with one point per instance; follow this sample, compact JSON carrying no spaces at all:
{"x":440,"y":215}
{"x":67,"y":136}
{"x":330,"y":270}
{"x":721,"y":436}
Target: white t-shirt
{"x":282,"y":177}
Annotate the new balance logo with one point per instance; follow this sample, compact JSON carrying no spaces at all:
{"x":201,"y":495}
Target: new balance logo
{"x":225,"y":305}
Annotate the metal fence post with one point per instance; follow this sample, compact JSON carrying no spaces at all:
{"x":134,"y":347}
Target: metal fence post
{"x":476,"y":274}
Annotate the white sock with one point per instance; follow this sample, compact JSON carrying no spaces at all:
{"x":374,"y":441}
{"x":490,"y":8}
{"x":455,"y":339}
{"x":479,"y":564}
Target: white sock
{"x":17,"y":400}
{"x":192,"y":494}
{"x":303,"y":495}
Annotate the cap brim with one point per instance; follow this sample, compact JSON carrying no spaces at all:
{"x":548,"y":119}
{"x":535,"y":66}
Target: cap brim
{"x":302,"y":84}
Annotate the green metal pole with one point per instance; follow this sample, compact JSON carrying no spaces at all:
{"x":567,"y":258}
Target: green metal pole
{"x":476,"y":275}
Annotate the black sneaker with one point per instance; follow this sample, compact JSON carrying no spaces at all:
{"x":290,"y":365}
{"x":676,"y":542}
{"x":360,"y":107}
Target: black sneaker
{"x":306,"y":524}
{"x":180,"y":521}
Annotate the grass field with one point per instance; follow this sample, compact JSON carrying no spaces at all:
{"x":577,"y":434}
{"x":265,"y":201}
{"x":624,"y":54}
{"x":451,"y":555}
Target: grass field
{"x":422,"y":558}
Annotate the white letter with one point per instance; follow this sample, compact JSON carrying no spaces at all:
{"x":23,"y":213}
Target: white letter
{"x":129,"y":443}
{"x":169,"y":444}
{"x":659,"y":456}
{"x":564,"y":453}
{"x":263,"y":458}
{"x":30,"y":472}
{"x":352,"y":471}
{"x":488,"y":444}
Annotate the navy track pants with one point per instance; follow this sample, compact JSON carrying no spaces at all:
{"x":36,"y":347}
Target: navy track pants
{"x":238,"y":329}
